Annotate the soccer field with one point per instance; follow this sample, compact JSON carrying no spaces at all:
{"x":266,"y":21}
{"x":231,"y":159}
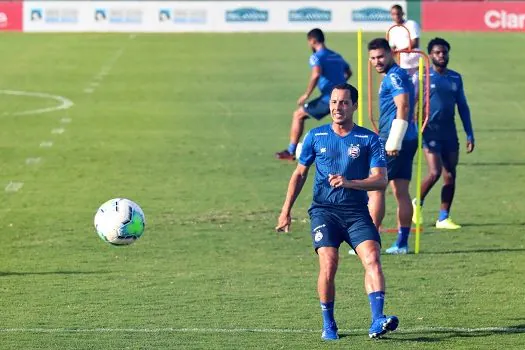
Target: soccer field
{"x":186,"y":126}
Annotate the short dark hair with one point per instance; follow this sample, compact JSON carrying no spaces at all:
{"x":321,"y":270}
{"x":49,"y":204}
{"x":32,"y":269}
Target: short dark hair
{"x":437,"y":41}
{"x":379,"y":43}
{"x":354,"y":94}
{"x":396,"y":7}
{"x":316,"y":34}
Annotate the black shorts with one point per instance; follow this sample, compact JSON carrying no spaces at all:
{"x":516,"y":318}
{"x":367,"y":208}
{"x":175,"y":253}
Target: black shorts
{"x":330,"y":228}
{"x":400,"y":167}
{"x":317,"y":108}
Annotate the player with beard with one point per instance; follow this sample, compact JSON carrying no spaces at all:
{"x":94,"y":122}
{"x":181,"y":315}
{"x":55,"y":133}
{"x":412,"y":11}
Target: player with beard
{"x":440,"y":138}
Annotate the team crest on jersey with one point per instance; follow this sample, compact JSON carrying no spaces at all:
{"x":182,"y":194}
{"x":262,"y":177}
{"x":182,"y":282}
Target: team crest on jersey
{"x":354,"y":151}
{"x":454,"y":86}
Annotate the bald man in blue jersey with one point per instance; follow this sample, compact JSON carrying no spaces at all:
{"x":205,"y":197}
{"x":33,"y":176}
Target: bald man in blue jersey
{"x":349,"y":161}
{"x":440,"y":137}
{"x":397,"y":130}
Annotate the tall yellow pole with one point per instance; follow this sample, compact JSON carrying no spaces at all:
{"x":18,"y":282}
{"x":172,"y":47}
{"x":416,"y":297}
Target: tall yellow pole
{"x":419,"y":155}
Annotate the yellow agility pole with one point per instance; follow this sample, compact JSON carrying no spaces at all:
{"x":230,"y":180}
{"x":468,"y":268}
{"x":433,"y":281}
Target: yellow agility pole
{"x":419,"y":154}
{"x":360,"y":77}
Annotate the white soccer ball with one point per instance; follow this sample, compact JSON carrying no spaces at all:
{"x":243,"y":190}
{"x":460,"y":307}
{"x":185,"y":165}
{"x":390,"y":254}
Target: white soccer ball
{"x":120,"y":221}
{"x":298,"y":150}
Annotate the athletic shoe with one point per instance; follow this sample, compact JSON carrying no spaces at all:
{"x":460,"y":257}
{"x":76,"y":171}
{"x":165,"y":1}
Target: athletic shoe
{"x":414,"y":218}
{"x":383,"y":325}
{"x":397,"y":250}
{"x":285,"y":155}
{"x":330,"y":333}
{"x":447,"y":224}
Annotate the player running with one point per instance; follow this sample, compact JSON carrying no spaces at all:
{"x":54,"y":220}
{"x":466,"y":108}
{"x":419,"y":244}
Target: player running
{"x":400,"y":39}
{"x":349,"y":161}
{"x":440,"y":138}
{"x":328,"y":70}
{"x":398,"y":132}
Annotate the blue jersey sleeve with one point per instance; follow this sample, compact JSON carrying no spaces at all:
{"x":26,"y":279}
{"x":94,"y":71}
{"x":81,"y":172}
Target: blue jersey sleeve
{"x":464,"y":111}
{"x":314,"y":61}
{"x":377,"y":157}
{"x":307,"y":156}
{"x":397,"y":85}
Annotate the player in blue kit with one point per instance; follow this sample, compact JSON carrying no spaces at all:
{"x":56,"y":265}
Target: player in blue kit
{"x":397,"y":130}
{"x":440,"y":138}
{"x":328,"y":70}
{"x":349,"y":161}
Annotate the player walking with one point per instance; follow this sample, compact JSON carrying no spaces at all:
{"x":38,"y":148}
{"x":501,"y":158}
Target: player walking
{"x":328,"y":70}
{"x":349,"y":162}
{"x":440,"y":138}
{"x":398,"y":132}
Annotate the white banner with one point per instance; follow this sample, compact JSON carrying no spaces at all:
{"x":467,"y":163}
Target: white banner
{"x":206,"y":16}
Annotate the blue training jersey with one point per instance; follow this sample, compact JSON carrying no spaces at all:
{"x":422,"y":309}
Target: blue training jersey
{"x":333,"y":68}
{"x":446,"y":91}
{"x":395,"y":82}
{"x":351,"y":156}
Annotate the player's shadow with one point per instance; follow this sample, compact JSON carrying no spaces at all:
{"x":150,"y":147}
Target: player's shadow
{"x":37,"y":273}
{"x":488,"y":250}
{"x":437,"y":335}
{"x":483,"y":224}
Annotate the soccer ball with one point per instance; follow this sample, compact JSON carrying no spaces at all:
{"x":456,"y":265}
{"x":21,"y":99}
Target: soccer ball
{"x":120,"y":221}
{"x":298,"y":150}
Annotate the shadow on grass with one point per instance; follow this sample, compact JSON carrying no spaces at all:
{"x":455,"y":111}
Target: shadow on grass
{"x":493,"y":164}
{"x":484,"y":224}
{"x":488,"y":250}
{"x":437,"y":335}
{"x":37,"y":273}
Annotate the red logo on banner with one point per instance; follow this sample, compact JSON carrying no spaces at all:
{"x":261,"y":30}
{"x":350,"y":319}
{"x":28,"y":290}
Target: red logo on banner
{"x":11,"y":15}
{"x":474,"y":16}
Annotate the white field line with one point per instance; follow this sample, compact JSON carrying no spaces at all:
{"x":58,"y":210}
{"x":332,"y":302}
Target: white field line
{"x":64,"y":103}
{"x":58,"y":131}
{"x":32,"y":161}
{"x":46,"y":144}
{"x":106,"y":68}
{"x":257,"y":330}
{"x":14,"y":186}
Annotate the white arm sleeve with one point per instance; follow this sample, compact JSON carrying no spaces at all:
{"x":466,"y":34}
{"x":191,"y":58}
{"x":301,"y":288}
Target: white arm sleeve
{"x":397,"y":134}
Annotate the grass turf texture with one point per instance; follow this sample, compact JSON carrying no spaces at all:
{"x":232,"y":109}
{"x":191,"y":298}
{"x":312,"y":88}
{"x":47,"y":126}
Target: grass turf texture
{"x":186,"y":126}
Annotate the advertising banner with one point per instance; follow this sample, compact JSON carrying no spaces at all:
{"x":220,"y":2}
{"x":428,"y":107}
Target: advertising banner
{"x":10,"y":15}
{"x":497,"y":16}
{"x":206,"y":16}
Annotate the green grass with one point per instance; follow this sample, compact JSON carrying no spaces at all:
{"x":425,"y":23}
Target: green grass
{"x":186,"y":125}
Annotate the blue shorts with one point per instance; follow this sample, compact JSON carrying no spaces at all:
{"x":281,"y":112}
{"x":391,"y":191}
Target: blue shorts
{"x":441,"y":146}
{"x":317,"y":108}
{"x":331,"y":227}
{"x":400,"y":167}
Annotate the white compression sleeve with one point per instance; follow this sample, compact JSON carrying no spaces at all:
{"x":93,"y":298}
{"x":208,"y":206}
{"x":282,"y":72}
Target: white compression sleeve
{"x":397,"y":133}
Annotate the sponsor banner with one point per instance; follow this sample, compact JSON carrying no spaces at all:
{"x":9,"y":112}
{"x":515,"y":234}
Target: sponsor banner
{"x":485,"y":16}
{"x":10,"y":16}
{"x":206,"y":16}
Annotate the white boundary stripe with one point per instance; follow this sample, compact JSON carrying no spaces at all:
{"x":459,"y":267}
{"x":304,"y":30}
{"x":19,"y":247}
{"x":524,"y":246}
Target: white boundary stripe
{"x":46,"y":144}
{"x":58,"y":131}
{"x":64,"y":102}
{"x":255,"y":330}
{"x":14,"y":186}
{"x":31,"y":161}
